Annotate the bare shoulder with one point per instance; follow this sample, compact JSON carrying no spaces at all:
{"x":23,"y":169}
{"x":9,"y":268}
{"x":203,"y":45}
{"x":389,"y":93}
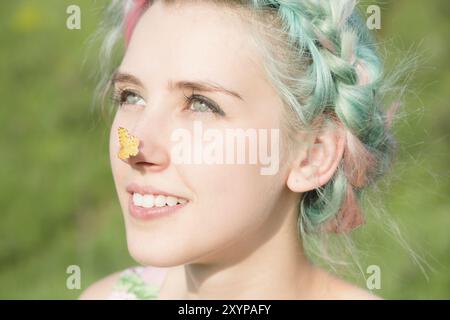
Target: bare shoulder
{"x":100,"y":289}
{"x":347,"y":291}
{"x":338,"y":289}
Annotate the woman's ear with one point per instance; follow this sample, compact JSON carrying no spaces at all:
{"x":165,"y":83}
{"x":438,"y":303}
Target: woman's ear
{"x":317,"y":159}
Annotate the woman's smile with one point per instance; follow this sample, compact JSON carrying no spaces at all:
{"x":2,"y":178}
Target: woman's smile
{"x":147,"y":202}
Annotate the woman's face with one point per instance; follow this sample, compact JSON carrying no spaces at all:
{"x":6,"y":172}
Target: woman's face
{"x":227,"y":204}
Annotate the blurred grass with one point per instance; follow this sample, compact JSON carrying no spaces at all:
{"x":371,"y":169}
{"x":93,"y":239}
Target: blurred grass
{"x":57,"y":196}
{"x":58,"y":203}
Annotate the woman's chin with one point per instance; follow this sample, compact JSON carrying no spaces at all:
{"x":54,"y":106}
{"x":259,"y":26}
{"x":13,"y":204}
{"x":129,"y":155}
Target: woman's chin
{"x":156,"y":256}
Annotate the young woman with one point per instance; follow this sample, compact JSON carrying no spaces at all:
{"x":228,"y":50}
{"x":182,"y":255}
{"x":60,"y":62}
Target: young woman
{"x":225,"y":230}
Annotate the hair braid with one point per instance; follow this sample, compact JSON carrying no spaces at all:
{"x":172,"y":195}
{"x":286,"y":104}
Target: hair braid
{"x":346,"y":75}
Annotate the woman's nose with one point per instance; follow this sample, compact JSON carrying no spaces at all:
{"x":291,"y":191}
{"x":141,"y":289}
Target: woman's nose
{"x":153,"y":155}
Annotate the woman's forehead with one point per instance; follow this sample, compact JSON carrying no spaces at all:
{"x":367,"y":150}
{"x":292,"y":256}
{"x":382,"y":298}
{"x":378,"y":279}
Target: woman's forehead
{"x":193,"y":41}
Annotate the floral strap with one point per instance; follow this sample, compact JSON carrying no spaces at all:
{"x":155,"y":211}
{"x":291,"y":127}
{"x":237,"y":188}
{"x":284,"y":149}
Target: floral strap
{"x":131,"y":285}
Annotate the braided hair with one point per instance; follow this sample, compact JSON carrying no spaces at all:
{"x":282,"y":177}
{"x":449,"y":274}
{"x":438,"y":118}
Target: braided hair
{"x":342,"y":80}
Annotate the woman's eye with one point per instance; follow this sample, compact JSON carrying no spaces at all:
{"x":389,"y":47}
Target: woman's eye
{"x":199,"y":106}
{"x":127,"y":97}
{"x":133,"y":99}
{"x":198,"y":103}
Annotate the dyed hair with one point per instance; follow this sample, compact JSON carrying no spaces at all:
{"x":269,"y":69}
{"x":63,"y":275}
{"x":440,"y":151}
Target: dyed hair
{"x":322,"y":60}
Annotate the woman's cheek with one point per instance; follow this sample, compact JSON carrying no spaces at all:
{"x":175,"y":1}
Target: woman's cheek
{"x":228,"y":194}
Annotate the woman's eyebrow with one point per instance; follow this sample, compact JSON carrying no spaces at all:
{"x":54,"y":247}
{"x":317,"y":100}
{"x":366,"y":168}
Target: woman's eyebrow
{"x":204,"y":86}
{"x":125,"y":77}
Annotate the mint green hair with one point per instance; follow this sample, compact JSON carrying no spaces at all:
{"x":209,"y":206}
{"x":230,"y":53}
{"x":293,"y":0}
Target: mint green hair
{"x":333,"y":70}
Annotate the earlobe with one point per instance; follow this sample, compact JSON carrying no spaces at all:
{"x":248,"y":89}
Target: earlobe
{"x":317,"y":164}
{"x":304,"y":175}
{"x":301,"y":179}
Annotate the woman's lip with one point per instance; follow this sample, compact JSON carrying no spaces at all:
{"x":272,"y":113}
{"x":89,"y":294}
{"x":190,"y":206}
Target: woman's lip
{"x":142,"y":213}
{"x":135,"y":188}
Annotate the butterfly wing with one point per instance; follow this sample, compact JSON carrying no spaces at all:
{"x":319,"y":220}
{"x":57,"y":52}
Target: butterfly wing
{"x":128,"y":144}
{"x":133,"y":146}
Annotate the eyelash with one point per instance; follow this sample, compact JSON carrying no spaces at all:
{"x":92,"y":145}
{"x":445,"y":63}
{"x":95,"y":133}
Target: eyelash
{"x":120,"y":96}
{"x":199,"y":98}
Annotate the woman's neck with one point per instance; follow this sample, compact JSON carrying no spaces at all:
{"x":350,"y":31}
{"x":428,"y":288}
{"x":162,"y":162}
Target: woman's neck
{"x":269,"y":263}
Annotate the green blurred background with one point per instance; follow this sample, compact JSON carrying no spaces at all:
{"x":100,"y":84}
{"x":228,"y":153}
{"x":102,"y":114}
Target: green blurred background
{"x":58,"y":203}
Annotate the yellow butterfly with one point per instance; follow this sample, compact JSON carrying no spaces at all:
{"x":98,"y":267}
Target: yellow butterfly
{"x":129,"y":144}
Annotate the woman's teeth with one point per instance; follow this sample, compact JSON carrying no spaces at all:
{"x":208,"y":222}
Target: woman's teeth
{"x":150,"y":200}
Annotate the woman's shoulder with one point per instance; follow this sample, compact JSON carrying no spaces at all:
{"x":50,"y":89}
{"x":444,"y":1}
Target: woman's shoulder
{"x":347,"y":291}
{"x":131,"y":283}
{"x":336,"y":288}
{"x":102,"y":288}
